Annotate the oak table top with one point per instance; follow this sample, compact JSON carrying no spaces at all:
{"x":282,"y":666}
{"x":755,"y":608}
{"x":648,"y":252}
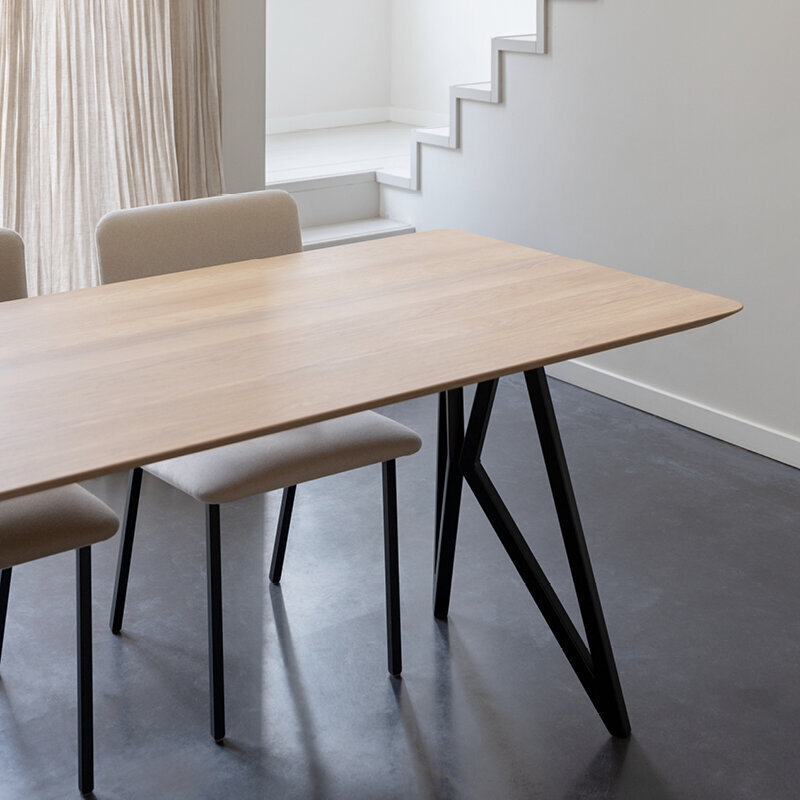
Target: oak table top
{"x":103,"y":379}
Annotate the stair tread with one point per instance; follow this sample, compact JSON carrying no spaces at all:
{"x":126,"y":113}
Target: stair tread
{"x":372,"y":227}
{"x":442,"y":131}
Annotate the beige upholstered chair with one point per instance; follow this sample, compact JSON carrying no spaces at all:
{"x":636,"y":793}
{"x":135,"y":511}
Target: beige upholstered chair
{"x":199,"y":233}
{"x":13,"y":285}
{"x":45,"y":523}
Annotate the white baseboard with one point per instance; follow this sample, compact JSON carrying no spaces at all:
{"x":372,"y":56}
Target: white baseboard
{"x":355,"y":116}
{"x":328,"y":119}
{"x":760,"y":439}
{"x":422,"y":119}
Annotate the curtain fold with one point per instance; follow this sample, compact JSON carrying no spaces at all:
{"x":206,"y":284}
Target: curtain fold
{"x":103,"y":105}
{"x":197,"y":100}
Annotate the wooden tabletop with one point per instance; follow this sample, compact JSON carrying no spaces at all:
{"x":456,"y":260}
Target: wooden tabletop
{"x":103,"y":379}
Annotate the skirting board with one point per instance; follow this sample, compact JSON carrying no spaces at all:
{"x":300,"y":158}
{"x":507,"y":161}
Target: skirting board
{"x":752,"y":436}
{"x":355,"y":116}
{"x":421,"y":119}
{"x":327,"y":119}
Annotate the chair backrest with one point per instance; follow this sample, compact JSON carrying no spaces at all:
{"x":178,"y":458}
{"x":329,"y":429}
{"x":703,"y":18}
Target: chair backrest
{"x":13,"y":284}
{"x":171,"y":237}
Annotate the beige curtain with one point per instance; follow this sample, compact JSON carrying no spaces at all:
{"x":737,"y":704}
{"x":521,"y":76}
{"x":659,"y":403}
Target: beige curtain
{"x":104,"y":104}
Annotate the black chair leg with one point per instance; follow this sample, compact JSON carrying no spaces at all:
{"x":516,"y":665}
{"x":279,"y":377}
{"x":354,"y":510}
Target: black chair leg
{"x":215,"y":661}
{"x":5,"y":585}
{"x":85,"y":711}
{"x":125,"y":550}
{"x":392,"y":567}
{"x":282,"y":535}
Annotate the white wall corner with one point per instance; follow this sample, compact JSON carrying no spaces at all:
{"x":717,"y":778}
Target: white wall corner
{"x":744,"y":433}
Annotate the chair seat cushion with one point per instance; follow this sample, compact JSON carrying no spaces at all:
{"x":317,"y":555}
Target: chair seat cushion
{"x":233,"y":471}
{"x":52,"y":521}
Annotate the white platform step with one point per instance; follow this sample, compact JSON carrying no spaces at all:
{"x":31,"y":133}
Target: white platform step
{"x":359,"y":230}
{"x":439,"y":137}
{"x":340,"y":209}
{"x":333,"y":199}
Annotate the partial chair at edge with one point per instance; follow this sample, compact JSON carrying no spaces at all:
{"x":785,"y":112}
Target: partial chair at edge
{"x":155,"y":240}
{"x":50,"y":522}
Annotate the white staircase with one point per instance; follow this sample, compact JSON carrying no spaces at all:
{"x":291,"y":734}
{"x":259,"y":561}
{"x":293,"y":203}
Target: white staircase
{"x":339,"y":209}
{"x":348,"y":208}
{"x":489,"y":92}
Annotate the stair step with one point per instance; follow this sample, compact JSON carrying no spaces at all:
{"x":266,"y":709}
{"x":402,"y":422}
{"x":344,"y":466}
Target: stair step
{"x":359,"y":230}
{"x":439,"y":137}
{"x":482,"y":92}
{"x":524,"y":43}
{"x":389,"y":178}
{"x":334,"y":199}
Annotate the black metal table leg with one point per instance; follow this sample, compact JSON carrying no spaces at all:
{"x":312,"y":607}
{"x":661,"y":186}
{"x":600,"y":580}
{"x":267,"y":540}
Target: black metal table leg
{"x":216,"y":672}
{"x":83,"y":560}
{"x":450,"y":504}
{"x":609,"y":700}
{"x":5,"y":586}
{"x":441,"y":462}
{"x":593,"y":661}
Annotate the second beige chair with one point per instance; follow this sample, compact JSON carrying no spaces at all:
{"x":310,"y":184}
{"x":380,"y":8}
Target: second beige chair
{"x":154,"y":240}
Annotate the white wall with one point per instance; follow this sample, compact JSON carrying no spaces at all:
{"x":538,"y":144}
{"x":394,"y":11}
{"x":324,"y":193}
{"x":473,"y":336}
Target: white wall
{"x":660,"y":138}
{"x":242,"y":51}
{"x":354,"y":61}
{"x":325,"y":59}
{"x":444,"y":42}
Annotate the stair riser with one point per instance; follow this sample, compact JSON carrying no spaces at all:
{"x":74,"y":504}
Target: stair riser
{"x":334,"y":200}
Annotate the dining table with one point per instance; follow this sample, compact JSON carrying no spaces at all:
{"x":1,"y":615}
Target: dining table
{"x":102,"y":379}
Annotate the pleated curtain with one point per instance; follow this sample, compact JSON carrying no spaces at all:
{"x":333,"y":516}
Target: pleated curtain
{"x":104,"y":104}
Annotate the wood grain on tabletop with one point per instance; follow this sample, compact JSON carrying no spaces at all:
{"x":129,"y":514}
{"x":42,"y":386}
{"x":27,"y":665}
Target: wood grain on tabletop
{"x":107,"y":378}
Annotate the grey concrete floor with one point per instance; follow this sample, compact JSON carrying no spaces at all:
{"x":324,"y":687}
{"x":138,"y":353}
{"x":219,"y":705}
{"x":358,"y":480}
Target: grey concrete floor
{"x":695,"y":544}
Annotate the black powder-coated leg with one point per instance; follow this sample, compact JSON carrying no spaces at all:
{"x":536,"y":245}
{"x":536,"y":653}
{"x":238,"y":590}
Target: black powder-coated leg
{"x":450,"y":504}
{"x":5,"y":586}
{"x":611,"y":704}
{"x":391,"y":561}
{"x":85,"y":710}
{"x":125,"y":550}
{"x":215,"y":660}
{"x":282,"y":535}
{"x":594,"y":665}
{"x":441,"y":462}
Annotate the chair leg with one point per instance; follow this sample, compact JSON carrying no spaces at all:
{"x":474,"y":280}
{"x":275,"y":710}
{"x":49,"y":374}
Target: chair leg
{"x":282,"y":535}
{"x":392,"y":567}
{"x":125,"y":550}
{"x":85,"y":711}
{"x":215,"y":661}
{"x":5,"y":585}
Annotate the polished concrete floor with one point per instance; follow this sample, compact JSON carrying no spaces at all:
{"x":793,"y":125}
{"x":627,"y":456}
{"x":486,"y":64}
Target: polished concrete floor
{"x":696,"y":546}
